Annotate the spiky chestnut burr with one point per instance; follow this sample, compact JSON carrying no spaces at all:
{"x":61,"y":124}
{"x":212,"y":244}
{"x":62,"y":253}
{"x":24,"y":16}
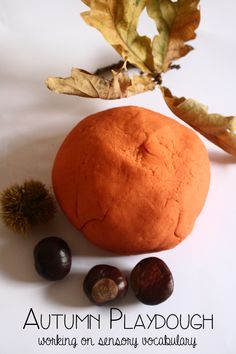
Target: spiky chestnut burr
{"x":26,"y":205}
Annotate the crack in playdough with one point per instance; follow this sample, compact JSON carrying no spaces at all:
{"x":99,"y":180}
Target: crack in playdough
{"x":94,"y":219}
{"x":178,"y":222}
{"x":179,"y":216}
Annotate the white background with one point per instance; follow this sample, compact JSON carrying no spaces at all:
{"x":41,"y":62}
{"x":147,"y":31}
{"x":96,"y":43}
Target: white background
{"x":46,"y":38}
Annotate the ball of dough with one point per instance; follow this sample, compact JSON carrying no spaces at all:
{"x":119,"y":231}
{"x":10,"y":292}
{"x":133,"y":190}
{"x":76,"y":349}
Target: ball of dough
{"x":132,"y":180}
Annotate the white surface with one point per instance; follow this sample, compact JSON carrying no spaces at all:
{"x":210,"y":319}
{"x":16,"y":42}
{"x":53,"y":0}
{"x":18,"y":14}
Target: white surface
{"x":42,"y":38}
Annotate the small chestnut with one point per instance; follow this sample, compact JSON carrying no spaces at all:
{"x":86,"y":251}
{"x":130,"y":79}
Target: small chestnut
{"x":104,"y":283}
{"x":52,"y":258}
{"x":151,"y":281}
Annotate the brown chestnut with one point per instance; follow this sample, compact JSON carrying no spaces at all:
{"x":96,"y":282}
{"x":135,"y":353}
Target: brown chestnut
{"x":104,"y":283}
{"x":151,"y":281}
{"x":52,"y":258}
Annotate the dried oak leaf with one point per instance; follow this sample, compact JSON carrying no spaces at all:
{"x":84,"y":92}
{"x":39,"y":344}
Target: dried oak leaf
{"x":84,"y":84}
{"x":176,"y":23}
{"x":218,"y":129}
{"x":117,"y":21}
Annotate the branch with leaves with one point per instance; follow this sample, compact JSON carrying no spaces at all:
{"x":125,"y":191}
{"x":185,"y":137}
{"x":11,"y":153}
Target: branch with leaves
{"x":176,"y":24}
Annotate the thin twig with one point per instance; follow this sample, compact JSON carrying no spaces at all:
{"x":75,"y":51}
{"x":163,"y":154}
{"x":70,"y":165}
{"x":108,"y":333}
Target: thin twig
{"x":115,"y":67}
{"x":157,"y":79}
{"x":175,"y":66}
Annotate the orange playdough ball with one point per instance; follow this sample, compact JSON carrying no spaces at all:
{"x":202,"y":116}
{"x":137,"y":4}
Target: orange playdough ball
{"x":132,"y":180}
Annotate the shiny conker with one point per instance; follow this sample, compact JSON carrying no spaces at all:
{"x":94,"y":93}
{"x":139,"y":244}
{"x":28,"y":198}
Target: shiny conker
{"x":151,"y":281}
{"x":52,"y":258}
{"x":104,"y":283}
